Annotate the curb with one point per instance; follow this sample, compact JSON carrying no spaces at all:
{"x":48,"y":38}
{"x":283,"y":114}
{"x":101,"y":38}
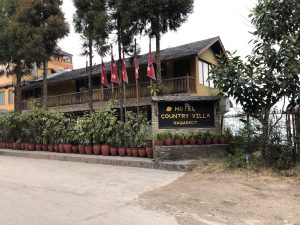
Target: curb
{"x":181,"y":166}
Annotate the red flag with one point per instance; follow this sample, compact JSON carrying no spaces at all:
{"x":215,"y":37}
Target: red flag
{"x":104,"y":76}
{"x":136,"y":65}
{"x":124,"y":72}
{"x":150,"y":70}
{"x":114,"y":75}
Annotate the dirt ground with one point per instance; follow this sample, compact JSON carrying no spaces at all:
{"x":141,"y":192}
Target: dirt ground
{"x":215,"y":196}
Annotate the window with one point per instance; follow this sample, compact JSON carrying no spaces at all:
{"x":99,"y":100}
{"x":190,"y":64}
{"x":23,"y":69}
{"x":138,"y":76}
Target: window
{"x":204,"y":69}
{"x":10,"y":97}
{"x":2,"y":98}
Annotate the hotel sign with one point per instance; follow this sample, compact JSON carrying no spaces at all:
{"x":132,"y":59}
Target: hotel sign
{"x":184,"y":115}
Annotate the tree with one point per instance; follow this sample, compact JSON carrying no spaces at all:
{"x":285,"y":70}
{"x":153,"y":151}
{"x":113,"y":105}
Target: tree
{"x":123,"y":21}
{"x":52,"y":25}
{"x":91,"y":21}
{"x":159,"y":16}
{"x":20,"y":41}
{"x":271,"y":72}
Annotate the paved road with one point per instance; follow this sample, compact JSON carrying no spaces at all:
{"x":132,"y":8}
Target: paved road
{"x":42,"y":192}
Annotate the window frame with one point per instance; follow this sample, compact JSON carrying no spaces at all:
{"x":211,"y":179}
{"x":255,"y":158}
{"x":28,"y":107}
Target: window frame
{"x":2,"y":103}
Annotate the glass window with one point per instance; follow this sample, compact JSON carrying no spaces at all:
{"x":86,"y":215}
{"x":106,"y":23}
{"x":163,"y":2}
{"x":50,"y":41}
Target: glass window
{"x":204,"y":69}
{"x":2,"y":98}
{"x":10,"y":97}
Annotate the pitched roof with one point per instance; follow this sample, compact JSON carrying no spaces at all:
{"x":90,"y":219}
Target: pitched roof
{"x":195,"y":48}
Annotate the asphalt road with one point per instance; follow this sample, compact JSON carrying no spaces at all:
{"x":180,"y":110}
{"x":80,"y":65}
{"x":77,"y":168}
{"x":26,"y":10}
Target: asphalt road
{"x":46,"y":192}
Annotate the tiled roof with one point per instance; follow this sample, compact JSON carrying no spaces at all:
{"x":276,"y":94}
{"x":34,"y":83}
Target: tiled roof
{"x":194,"y":48}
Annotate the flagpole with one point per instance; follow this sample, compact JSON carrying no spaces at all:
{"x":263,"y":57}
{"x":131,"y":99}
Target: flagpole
{"x":112,"y":83}
{"x":136,"y":83}
{"x":151,"y":81}
{"x":124,"y":86}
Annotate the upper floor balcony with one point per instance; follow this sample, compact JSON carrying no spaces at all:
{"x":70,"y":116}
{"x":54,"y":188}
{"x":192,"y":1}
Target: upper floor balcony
{"x":79,"y":100}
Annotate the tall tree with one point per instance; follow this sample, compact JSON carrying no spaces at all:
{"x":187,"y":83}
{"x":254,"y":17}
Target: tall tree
{"x":160,"y":16}
{"x":272,"y":71}
{"x":20,"y":41}
{"x":91,"y":21}
{"x":123,"y":22}
{"x":53,"y":26}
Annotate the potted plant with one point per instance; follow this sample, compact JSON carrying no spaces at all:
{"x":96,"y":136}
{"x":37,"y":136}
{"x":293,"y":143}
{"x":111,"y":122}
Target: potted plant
{"x":177,"y":139}
{"x":168,"y":139}
{"x":227,"y":136}
{"x":185,"y":139}
{"x":207,"y":138}
{"x":160,"y":137}
{"x":216,"y":138}
{"x":142,"y":133}
{"x":199,"y":138}
{"x":192,"y":138}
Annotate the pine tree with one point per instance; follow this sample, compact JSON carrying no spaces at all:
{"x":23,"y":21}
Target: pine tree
{"x":159,"y":16}
{"x":91,"y":21}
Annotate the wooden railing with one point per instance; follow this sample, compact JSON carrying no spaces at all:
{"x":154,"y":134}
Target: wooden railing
{"x":171,"y":86}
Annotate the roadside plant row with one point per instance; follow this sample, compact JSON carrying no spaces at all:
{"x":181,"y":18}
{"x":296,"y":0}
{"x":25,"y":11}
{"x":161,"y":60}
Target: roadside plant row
{"x":98,"y":133}
{"x":192,"y":138}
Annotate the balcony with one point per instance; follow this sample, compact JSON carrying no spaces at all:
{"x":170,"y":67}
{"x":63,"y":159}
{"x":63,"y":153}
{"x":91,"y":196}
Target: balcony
{"x":179,"y":85}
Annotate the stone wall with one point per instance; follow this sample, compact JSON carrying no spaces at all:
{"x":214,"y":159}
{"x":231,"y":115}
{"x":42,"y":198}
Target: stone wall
{"x":173,"y":153}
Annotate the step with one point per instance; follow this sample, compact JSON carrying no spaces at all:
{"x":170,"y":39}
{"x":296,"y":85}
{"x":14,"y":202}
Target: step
{"x":183,"y":166}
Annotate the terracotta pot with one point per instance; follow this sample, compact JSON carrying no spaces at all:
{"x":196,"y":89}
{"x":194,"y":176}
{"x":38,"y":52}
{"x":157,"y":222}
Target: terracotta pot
{"x":200,"y":141}
{"x":61,"y":148}
{"x":81,"y":149}
{"x":68,"y":148}
{"x":105,"y":150}
{"x":31,"y":147}
{"x":135,"y":152}
{"x":216,"y":141}
{"x":27,"y":146}
{"x":122,"y":151}
{"x":168,"y":141}
{"x":16,"y":146}
{"x":11,"y":146}
{"x":51,"y":148}
{"x":142,"y":152}
{"x":45,"y":147}
{"x":149,"y":151}
{"x":129,"y":152}
{"x":159,"y":142}
{"x":1,"y":145}
{"x":208,"y":141}
{"x":185,"y":141}
{"x":97,"y":149}
{"x":56,"y":148}
{"x":177,"y":141}
{"x":22,"y":146}
{"x":75,"y":149}
{"x":224,"y":141}
{"x":113,"y":151}
{"x":38,"y":147}
{"x":192,"y":141}
{"x":88,"y":149}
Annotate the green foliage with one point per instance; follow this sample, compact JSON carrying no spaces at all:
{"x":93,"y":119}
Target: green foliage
{"x":238,"y":159}
{"x":91,"y":21}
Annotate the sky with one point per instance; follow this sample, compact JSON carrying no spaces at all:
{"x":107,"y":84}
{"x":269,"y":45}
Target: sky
{"x":227,"y":19}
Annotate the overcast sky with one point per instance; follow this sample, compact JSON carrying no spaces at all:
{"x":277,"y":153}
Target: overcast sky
{"x":225,"y":18}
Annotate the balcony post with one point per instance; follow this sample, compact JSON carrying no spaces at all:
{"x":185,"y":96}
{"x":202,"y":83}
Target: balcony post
{"x":188,"y":83}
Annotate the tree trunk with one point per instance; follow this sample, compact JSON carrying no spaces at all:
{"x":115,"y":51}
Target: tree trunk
{"x":18,"y":91}
{"x":121,"y":92}
{"x":90,"y":89}
{"x":45,"y":85}
{"x":158,"y":61}
{"x":265,"y":132}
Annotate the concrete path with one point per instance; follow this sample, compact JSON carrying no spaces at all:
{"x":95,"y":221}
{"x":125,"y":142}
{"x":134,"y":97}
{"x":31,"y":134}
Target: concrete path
{"x":46,"y":192}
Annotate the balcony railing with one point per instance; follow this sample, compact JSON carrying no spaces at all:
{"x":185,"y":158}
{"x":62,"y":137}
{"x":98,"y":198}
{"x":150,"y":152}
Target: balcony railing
{"x":171,"y":86}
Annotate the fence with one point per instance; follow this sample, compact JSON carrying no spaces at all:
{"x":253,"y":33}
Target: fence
{"x":285,"y":126}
